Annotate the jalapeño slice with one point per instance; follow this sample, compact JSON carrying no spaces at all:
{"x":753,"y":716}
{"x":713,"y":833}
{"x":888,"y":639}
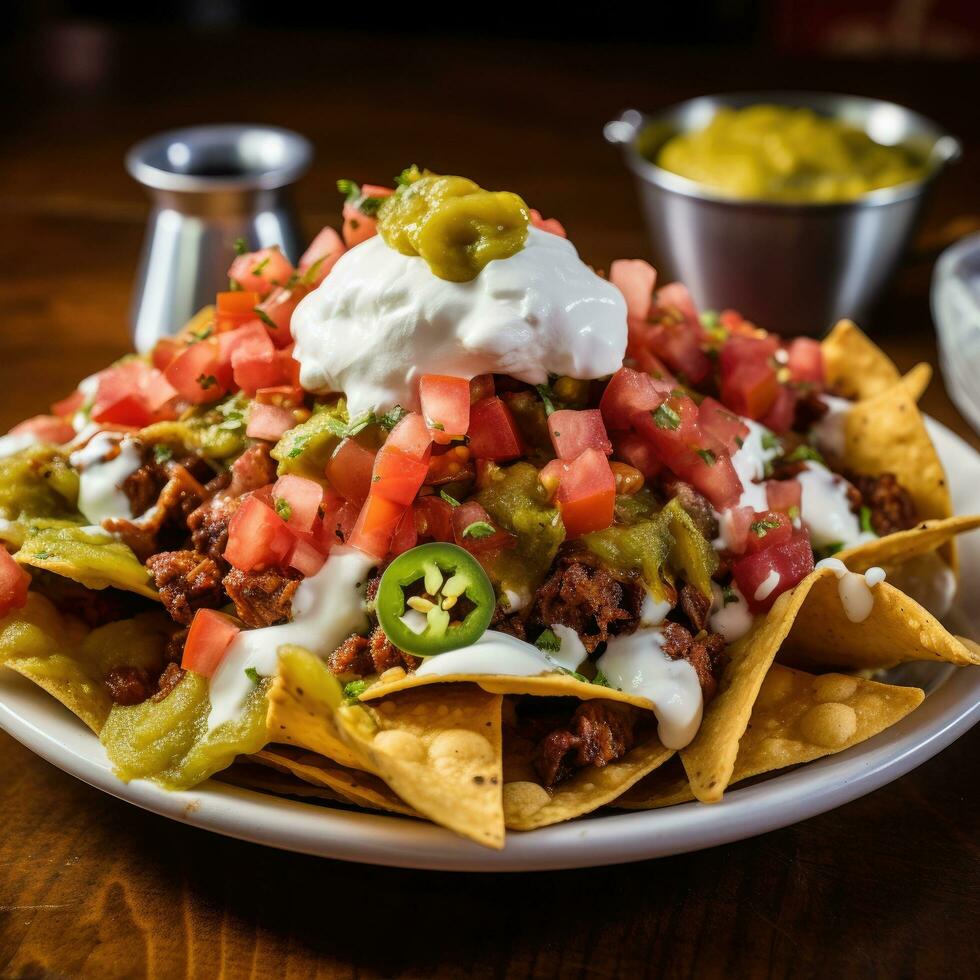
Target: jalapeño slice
{"x":434,"y":598}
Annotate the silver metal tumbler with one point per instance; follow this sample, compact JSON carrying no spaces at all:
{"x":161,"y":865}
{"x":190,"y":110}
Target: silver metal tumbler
{"x":210,"y":186}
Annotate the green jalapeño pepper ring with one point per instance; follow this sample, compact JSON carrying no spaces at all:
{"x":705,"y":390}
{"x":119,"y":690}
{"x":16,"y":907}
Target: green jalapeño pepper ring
{"x":437,"y":577}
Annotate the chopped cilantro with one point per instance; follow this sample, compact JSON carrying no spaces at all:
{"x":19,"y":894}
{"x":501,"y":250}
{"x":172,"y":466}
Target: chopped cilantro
{"x":452,"y":501}
{"x":728,"y":595}
{"x":666,"y":418}
{"x":350,"y":189}
{"x":548,"y":642}
{"x":234,"y":286}
{"x":546,"y":396}
{"x":265,"y":318}
{"x":432,"y":424}
{"x":310,"y":273}
{"x":369,"y":205}
{"x":769,"y":441}
{"x":258,"y":269}
{"x":575,"y":674}
{"x":803,"y":453}
{"x":865,"y":518}
{"x":162,"y":454}
{"x":298,"y":446}
{"x":206,"y":381}
{"x":408,"y":176}
{"x":708,"y":456}
{"x":478,"y":529}
{"x":241,"y":246}
{"x":739,"y":441}
{"x":761,"y":528}
{"x":794,"y":513}
{"x":282,"y":508}
{"x":391,"y":418}
{"x":42,"y":555}
{"x":601,"y":679}
{"x":252,"y":674}
{"x":202,"y":334}
{"x":354,"y":689}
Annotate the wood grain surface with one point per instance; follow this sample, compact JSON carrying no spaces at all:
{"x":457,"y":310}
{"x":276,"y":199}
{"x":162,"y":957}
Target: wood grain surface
{"x":887,"y":886}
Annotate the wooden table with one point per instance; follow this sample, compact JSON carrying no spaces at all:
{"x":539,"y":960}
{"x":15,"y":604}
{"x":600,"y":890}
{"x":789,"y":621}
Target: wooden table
{"x":886,"y":886}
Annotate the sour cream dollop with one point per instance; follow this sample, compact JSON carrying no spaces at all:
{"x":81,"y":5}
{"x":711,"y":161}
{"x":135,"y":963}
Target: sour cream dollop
{"x":381,"y":319}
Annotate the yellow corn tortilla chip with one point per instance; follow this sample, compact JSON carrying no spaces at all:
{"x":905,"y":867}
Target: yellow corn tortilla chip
{"x":528,"y":805}
{"x":266,"y":780}
{"x":797,"y":718}
{"x":302,"y":702}
{"x":894,"y":549}
{"x":710,"y":759}
{"x":855,"y":365}
{"x":916,"y":380}
{"x":440,"y":752}
{"x":348,"y":785}
{"x":897,"y":630}
{"x":61,"y":655}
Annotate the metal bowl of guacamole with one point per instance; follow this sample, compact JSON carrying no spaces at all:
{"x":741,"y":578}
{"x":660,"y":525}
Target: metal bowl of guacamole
{"x":792,"y":207}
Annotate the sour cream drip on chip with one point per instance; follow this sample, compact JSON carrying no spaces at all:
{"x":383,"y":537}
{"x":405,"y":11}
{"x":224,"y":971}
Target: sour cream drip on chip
{"x":501,"y":654}
{"x":102,"y":472}
{"x":636,"y":664}
{"x":854,"y":589}
{"x":829,"y":430}
{"x":826,"y":509}
{"x":750,"y":460}
{"x":381,"y":320}
{"x":327,"y":608}
{"x":730,"y":615}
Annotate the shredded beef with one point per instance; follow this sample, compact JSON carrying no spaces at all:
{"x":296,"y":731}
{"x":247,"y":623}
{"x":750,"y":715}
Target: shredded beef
{"x":585,"y":596}
{"x":144,"y":486}
{"x":209,"y":526}
{"x":360,"y":656}
{"x":705,"y":653}
{"x":696,"y":606}
{"x":810,"y":409}
{"x":174,"y":650}
{"x":891,"y":505}
{"x":168,"y":680}
{"x":186,"y":580}
{"x":129,"y":685}
{"x":697,"y":506}
{"x":599,"y":732}
{"x":261,"y":598}
{"x":511,"y":623}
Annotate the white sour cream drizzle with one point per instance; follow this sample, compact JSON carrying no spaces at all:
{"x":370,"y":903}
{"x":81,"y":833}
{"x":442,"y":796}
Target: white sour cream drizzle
{"x":572,"y":653}
{"x":732,"y":619}
{"x":854,"y":589}
{"x":767,"y":586}
{"x":16,"y":442}
{"x":381,"y":319}
{"x":652,"y":612}
{"x":492,"y":653}
{"x":636,"y":664}
{"x":829,"y":430}
{"x":327,"y":608}
{"x":100,"y":496}
{"x":749,"y":461}
{"x":826,"y":509}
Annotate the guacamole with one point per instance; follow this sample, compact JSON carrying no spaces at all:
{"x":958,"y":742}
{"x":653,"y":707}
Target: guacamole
{"x":782,"y":153}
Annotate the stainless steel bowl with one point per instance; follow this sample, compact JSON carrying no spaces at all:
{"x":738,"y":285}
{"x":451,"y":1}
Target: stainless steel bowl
{"x":792,"y":268}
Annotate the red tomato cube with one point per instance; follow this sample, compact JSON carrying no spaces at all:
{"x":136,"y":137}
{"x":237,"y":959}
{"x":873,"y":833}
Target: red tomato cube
{"x":349,"y":471}
{"x":587,"y":494}
{"x":713,"y":475}
{"x":635,"y":279}
{"x":321,"y":256}
{"x":257,"y":537}
{"x":276,"y":312}
{"x":481,"y":387}
{"x":412,"y":437}
{"x":376,"y":525}
{"x":406,"y":534}
{"x":750,"y":388}
{"x":235,"y":308}
{"x":433,"y":518}
{"x":781,"y":413}
{"x":306,"y":558}
{"x":764,"y":576}
{"x":445,"y":406}
{"x":208,"y":639}
{"x":629,"y":392}
{"x":46,"y":428}
{"x":638,"y":452}
{"x":723,"y":430}
{"x":196,"y":373}
{"x":14,"y":583}
{"x":768,"y":529}
{"x":397,"y":476}
{"x":303,"y":498}
{"x":806,"y":361}
{"x":572,"y":432}
{"x":260,"y":271}
{"x":784,"y":495}
{"x":493,"y":433}
{"x":268,"y":422}
{"x":470,"y":517}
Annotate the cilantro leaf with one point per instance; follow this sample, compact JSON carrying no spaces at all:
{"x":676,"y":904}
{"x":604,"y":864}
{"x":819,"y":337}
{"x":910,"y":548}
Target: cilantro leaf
{"x":265,"y":318}
{"x":162,"y":453}
{"x":478,"y":529}
{"x":666,"y":418}
{"x":728,"y":595}
{"x":452,"y":501}
{"x":283,"y":509}
{"x":354,"y":689}
{"x":206,"y":381}
{"x":803,"y":453}
{"x":391,"y":418}
{"x":769,"y":441}
{"x":260,"y":267}
{"x":350,"y":189}
{"x":865,"y":518}
{"x":548,"y":642}
{"x":708,"y":456}
{"x":241,"y":246}
{"x":252,"y":674}
{"x":601,"y":679}
{"x":761,"y":528}
{"x":546,"y":396}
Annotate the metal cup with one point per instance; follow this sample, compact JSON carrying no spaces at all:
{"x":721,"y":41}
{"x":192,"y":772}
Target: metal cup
{"x":211,"y":185}
{"x":791,"y":268}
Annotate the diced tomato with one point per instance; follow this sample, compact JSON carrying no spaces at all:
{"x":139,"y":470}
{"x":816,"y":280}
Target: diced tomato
{"x":637,"y":451}
{"x":131,"y":393}
{"x":493,"y":433}
{"x":14,"y":583}
{"x":739,"y":349}
{"x":46,"y":428}
{"x":434,"y":518}
{"x":268,"y":422}
{"x":67,"y":407}
{"x":397,"y":476}
{"x":306,"y":558}
{"x":262,"y":270}
{"x":323,"y":253}
{"x":645,"y":360}
{"x":781,"y":413}
{"x":736,"y":324}
{"x":572,"y":432}
{"x":285,"y":396}
{"x":406,"y":534}
{"x":303,"y":498}
{"x":784,"y":495}
{"x":806,"y":361}
{"x":767,"y":529}
{"x":723,"y":430}
{"x":277,"y":312}
{"x":552,"y":225}
{"x":196,"y":373}
{"x":629,"y":392}
{"x":766,"y":575}
{"x":635,"y":279}
{"x":411,"y":436}
{"x":750,"y":388}
{"x":735,"y":523}
{"x":679,"y":345}
{"x":673,"y":334}
{"x":257,"y":536}
{"x":477,"y":541}
{"x":207,"y":642}
{"x":346,"y":518}
{"x":255,"y":368}
{"x":587,"y":494}
{"x":672,"y":429}
{"x":714,"y":475}
{"x":349,"y":471}
{"x":289,"y":365}
{"x":549,"y":476}
{"x":235,"y":308}
{"x":674,"y":300}
{"x":481,"y":387}
{"x":358,"y":226}
{"x":445,"y":406}
{"x":164,"y":351}
{"x":376,"y":525}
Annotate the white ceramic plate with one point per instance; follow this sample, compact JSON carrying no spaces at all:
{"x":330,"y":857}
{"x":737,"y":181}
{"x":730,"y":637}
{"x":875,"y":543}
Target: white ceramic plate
{"x":951,"y":708}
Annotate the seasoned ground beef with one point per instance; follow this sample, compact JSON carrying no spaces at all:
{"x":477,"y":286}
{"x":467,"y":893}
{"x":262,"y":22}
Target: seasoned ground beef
{"x":810,"y":409}
{"x":186,"y":580}
{"x":174,"y":651}
{"x":129,"y":685}
{"x":695,"y":606}
{"x":698,"y":506}
{"x":599,"y":732}
{"x":261,"y":598}
{"x":585,"y":596}
{"x":705,"y":653}
{"x":143,"y":487}
{"x":892,"y":507}
{"x":209,"y":526}
{"x":169,"y":679}
{"x":505,"y":622}
{"x":361,"y":656}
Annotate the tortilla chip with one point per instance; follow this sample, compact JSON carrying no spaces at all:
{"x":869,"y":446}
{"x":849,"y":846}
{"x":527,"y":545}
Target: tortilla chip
{"x":916,"y":380}
{"x":710,"y":759}
{"x":266,"y":780}
{"x":528,"y":805}
{"x":348,"y":785}
{"x":855,"y":366}
{"x":302,"y":702}
{"x":898,"y":630}
{"x":440,"y":752}
{"x":894,"y":549}
{"x":797,"y":718}
{"x":61,"y":655}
